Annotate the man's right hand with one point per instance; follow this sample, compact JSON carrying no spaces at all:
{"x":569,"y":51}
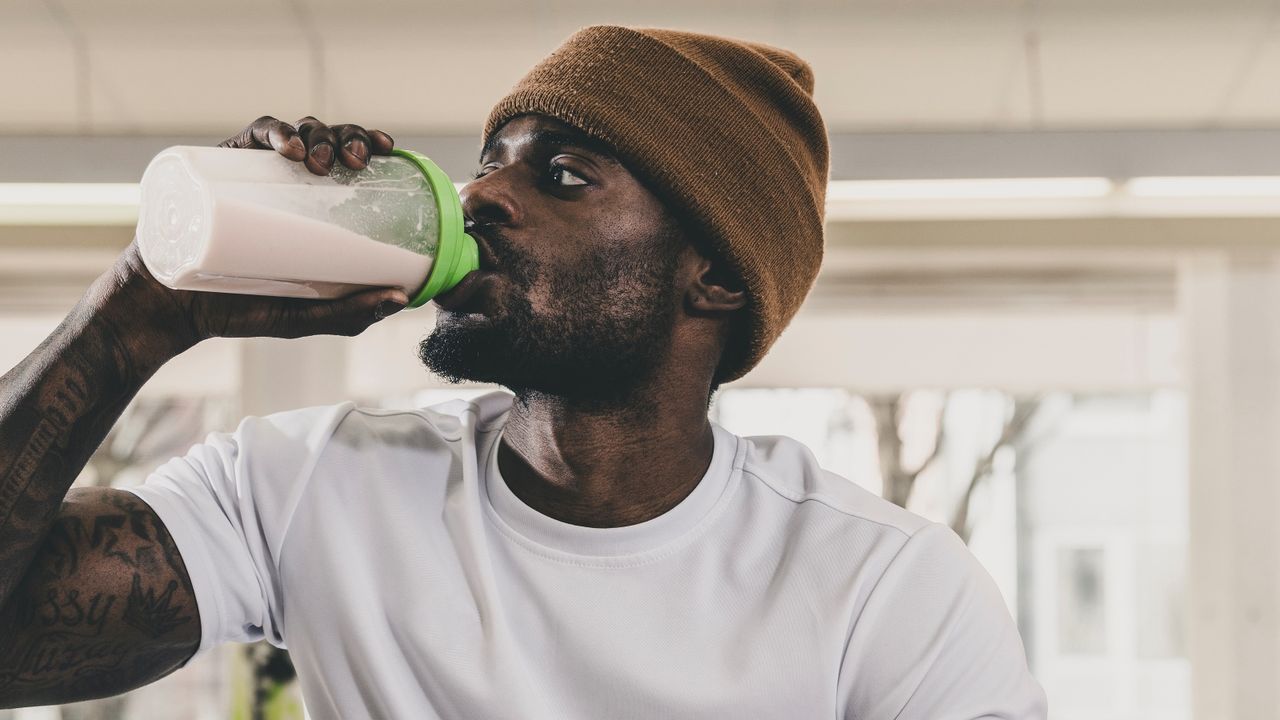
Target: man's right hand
{"x":187,"y":317}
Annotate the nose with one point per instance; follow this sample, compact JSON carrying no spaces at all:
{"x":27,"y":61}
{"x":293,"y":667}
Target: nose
{"x":490,"y":199}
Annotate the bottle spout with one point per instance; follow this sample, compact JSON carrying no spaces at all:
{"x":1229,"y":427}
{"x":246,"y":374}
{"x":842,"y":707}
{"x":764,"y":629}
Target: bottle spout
{"x":456,"y":252}
{"x":468,"y":261}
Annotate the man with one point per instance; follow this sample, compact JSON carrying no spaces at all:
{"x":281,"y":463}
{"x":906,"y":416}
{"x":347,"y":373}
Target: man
{"x":649,"y":212}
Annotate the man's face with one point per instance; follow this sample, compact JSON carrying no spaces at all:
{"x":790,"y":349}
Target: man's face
{"x":580,"y":297}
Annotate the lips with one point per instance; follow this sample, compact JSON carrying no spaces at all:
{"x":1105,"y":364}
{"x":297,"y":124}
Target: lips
{"x":487,"y":260}
{"x":465,"y":296}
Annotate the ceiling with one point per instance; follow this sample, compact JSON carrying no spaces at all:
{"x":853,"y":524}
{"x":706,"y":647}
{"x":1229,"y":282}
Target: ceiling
{"x":158,"y":66}
{"x":909,"y":88}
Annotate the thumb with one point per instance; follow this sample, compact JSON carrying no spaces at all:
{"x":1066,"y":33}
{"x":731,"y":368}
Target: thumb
{"x":390,"y":305}
{"x":377,"y":304}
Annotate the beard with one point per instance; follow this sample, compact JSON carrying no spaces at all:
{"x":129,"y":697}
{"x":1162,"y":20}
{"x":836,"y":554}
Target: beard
{"x":598,"y":342}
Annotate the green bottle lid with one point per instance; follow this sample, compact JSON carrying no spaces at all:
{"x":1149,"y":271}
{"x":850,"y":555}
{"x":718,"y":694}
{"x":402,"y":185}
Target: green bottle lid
{"x":456,"y":253}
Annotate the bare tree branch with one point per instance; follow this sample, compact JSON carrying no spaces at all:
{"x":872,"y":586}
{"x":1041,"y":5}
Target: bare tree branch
{"x":939,"y":440}
{"x":896,"y":485}
{"x":899,"y":482}
{"x":1015,"y":427}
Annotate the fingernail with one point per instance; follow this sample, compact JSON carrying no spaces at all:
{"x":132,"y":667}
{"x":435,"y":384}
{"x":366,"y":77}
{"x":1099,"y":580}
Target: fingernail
{"x":359,"y":149}
{"x":323,"y":153}
{"x":386,"y":308}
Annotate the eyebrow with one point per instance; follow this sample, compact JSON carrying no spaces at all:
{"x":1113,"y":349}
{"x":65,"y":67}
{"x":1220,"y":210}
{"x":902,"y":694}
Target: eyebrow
{"x":561,"y":139}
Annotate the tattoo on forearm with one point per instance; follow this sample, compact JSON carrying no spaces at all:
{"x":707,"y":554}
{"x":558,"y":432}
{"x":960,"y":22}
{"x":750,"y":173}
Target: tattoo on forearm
{"x":94,"y":598}
{"x":68,"y":403}
{"x":55,"y":408}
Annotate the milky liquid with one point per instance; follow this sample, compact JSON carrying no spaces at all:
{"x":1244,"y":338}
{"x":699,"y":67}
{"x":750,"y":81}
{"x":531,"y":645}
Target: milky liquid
{"x":252,"y":222}
{"x":256,"y":250}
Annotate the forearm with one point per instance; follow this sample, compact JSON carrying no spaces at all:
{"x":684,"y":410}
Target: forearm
{"x":58,"y":404}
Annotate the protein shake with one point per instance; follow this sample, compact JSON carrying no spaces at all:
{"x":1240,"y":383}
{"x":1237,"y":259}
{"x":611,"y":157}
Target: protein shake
{"x":253,"y":222}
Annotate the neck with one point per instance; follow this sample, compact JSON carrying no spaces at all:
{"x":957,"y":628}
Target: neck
{"x":606,"y":466}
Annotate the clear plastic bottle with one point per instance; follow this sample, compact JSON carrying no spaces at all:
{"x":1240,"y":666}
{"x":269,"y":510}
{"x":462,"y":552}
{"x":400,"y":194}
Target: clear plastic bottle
{"x":254,"y":222}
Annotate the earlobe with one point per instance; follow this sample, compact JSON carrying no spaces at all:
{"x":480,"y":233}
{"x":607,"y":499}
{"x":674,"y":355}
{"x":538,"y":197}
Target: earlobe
{"x":717,"y":301}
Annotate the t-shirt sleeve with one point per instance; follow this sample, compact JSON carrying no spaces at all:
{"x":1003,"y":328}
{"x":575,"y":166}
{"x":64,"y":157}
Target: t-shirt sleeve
{"x":227,"y":504}
{"x":935,"y":641}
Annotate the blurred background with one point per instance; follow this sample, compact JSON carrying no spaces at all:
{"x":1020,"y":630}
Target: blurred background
{"x":1047,"y":315}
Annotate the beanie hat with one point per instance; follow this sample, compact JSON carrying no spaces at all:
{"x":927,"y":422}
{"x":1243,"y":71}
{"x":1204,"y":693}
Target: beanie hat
{"x":724,"y":132}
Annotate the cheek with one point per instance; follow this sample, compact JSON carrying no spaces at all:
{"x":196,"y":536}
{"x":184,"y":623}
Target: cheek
{"x":552,"y":289}
{"x":543,"y":299}
{"x":531,"y":285}
{"x":604,"y":263}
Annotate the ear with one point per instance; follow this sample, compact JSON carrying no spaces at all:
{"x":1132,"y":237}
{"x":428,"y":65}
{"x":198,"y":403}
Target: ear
{"x":715,"y":288}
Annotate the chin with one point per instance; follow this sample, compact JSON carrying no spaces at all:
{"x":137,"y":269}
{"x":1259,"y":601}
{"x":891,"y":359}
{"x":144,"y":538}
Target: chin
{"x":460,"y":348}
{"x":459,"y":354}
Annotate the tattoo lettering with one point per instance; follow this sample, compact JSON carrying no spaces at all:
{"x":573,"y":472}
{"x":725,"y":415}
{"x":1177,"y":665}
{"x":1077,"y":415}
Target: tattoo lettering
{"x":66,"y":609}
{"x":57,"y":654}
{"x":57,"y":418}
{"x":65,"y":635}
{"x":60,"y":611}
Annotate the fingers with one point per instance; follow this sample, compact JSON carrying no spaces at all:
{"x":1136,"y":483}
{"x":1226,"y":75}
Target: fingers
{"x":321,"y":142}
{"x":223,"y":315}
{"x":353,"y":144}
{"x":280,"y":136}
{"x":382,"y":142}
{"x":242,"y":139}
{"x":351,"y":315}
{"x":317,"y":145}
{"x":268,"y":133}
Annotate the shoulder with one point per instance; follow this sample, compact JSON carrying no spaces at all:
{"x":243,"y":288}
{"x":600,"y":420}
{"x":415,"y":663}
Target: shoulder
{"x":269,"y":465}
{"x":484,"y":412}
{"x":790,"y":470}
{"x":301,"y":429}
{"x":310,"y":429}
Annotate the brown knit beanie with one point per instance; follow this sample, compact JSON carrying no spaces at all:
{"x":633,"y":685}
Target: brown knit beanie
{"x":723,"y":131}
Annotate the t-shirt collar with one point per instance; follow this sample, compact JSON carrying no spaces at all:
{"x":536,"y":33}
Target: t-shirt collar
{"x":524,"y":524}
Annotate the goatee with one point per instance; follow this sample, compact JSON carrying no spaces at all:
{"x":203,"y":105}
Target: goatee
{"x":602,"y":340}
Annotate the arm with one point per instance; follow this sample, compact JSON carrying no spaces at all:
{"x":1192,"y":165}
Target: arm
{"x":67,"y":569}
{"x":935,"y":640}
{"x":94,"y":596}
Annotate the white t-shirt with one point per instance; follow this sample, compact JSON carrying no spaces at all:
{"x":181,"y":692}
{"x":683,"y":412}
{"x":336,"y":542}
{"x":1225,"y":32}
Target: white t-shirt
{"x":407,"y":581}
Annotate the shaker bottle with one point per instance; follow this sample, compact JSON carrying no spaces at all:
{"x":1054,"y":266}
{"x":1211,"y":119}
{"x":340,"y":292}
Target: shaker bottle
{"x":256,"y":223}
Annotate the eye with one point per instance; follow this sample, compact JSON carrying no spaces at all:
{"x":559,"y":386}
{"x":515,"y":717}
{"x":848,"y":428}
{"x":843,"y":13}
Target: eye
{"x":564,"y":177}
